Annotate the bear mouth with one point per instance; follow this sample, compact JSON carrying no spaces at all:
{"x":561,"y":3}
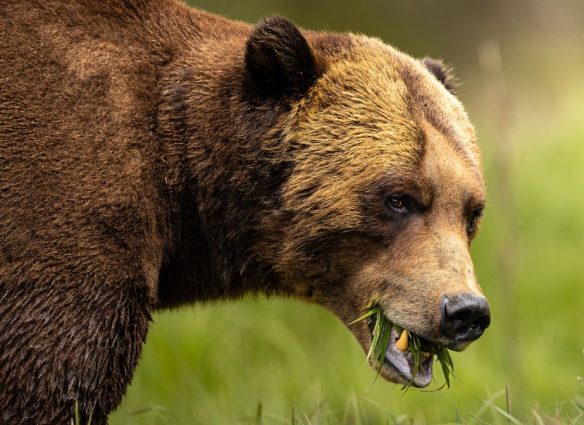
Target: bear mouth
{"x":403,"y":363}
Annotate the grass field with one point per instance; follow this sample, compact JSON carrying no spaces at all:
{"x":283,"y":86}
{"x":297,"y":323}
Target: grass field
{"x":281,"y":361}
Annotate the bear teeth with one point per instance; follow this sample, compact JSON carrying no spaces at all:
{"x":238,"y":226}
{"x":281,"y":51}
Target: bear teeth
{"x":403,"y":341}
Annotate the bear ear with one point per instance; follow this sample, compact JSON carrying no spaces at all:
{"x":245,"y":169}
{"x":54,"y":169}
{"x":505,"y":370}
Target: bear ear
{"x":279,"y":62}
{"x":442,"y":72}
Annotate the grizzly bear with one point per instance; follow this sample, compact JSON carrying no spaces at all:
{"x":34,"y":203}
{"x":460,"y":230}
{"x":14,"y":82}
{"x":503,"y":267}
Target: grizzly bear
{"x":153,"y":155}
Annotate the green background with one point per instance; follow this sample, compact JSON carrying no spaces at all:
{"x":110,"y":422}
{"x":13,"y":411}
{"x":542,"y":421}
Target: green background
{"x":276,"y":361}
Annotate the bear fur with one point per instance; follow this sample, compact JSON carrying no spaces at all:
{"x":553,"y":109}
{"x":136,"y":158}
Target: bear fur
{"x":153,"y":155}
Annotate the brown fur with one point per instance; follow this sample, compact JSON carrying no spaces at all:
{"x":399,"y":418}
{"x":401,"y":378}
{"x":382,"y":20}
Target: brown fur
{"x":153,"y":155}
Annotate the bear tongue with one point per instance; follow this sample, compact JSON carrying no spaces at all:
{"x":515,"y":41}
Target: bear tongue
{"x":403,"y":362}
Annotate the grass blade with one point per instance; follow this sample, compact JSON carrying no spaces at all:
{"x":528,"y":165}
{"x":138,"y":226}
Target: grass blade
{"x":504,"y":413}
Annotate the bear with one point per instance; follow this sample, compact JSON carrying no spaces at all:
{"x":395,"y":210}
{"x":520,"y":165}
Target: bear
{"x":154,"y":155}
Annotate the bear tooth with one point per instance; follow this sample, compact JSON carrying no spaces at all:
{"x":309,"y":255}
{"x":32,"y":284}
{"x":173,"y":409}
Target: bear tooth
{"x":402,"y":342}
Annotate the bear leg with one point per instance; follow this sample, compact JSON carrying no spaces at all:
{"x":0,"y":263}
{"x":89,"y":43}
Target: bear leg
{"x":63,"y":346}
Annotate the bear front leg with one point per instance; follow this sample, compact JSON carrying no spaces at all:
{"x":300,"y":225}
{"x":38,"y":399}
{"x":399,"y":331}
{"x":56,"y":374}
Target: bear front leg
{"x":63,"y":345}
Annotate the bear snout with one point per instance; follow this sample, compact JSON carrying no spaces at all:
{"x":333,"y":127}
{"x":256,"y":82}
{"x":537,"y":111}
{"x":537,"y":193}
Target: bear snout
{"x":464,"y":318}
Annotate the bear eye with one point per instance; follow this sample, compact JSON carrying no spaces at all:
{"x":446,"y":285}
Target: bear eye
{"x":473,"y":221}
{"x":397,"y":203}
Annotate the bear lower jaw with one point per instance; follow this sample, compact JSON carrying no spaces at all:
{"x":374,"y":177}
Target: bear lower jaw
{"x":404,"y":364}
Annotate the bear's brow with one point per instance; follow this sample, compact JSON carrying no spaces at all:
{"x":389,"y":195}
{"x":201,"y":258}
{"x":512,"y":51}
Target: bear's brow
{"x":430,"y":107}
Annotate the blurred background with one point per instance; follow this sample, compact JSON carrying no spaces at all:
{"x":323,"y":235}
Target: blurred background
{"x":521,"y":68}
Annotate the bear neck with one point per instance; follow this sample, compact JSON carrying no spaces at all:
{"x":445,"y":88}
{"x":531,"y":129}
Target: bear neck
{"x":225,"y":174}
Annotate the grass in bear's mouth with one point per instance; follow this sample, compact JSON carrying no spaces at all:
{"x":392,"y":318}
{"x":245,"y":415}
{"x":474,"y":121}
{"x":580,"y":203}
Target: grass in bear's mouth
{"x":382,"y":338}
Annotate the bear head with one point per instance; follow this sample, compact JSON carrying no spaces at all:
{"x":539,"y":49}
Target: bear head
{"x":385,"y":192}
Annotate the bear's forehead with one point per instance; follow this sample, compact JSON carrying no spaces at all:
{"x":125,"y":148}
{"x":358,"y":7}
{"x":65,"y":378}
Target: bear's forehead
{"x":376,"y":101}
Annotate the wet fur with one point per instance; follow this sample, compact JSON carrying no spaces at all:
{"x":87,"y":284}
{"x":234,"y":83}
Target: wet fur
{"x":149,"y":157}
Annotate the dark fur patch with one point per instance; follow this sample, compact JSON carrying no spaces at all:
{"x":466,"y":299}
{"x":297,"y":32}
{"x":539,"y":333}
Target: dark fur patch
{"x":442,"y":72}
{"x":279,"y":61}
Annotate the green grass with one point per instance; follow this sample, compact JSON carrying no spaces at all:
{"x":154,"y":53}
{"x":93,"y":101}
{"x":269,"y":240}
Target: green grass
{"x":76,"y":419}
{"x":215,"y":365}
{"x":381,"y":335}
{"x":382,"y":338}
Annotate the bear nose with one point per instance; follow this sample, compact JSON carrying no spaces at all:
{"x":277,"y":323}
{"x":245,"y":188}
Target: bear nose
{"x":464,"y":316}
